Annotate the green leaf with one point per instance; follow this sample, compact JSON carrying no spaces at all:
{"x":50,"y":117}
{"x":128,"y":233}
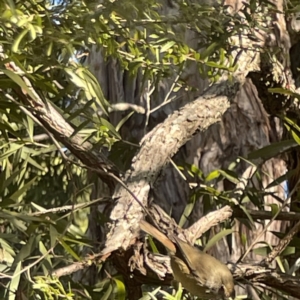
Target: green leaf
{"x":19,"y":81}
{"x":123,"y":121}
{"x":280,"y":264}
{"x":32,"y":32}
{"x":111,"y":128}
{"x":280,"y":179}
{"x":151,"y":295}
{"x":244,"y":209}
{"x":33,"y":162}
{"x":208,"y":51}
{"x":274,"y":208}
{"x":4,"y":183}
{"x":272,"y":150}
{"x":216,"y":238}
{"x":296,"y":137}
{"x":82,"y":126}
{"x":187,"y":212}
{"x":79,"y":111}
{"x":152,"y":244}
{"x":230,"y":175}
{"x":6,"y":257}
{"x":108,"y":293}
{"x":47,"y":260}
{"x":14,"y":283}
{"x":69,"y":249}
{"x":215,"y":65}
{"x":26,"y":249}
{"x":16,"y":195}
{"x":288,"y":251}
{"x":194,"y":170}
{"x":120,"y":289}
{"x":243,"y":239}
{"x":281,"y":91}
{"x":262,"y":251}
{"x":293,"y":128}
{"x":17,"y":41}
{"x":53,"y":236}
{"x":85,"y":79}
{"x":167,"y":46}
{"x":212,"y":175}
{"x":13,"y":148}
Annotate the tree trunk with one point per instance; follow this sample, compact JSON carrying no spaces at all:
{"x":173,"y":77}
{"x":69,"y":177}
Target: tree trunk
{"x":247,"y":124}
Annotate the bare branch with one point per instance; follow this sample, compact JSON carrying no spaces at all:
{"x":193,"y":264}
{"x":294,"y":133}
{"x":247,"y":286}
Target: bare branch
{"x":258,"y":274}
{"x":266,"y":215}
{"x":208,"y":221}
{"x":68,"y":270}
{"x":281,"y":245}
{"x":259,"y":235}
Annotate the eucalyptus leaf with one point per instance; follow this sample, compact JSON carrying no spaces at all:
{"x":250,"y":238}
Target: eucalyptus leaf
{"x":14,"y":283}
{"x":217,"y":237}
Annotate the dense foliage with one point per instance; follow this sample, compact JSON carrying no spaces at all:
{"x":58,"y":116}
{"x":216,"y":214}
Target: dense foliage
{"x":45,"y":189}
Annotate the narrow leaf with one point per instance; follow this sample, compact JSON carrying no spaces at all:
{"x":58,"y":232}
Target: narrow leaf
{"x":216,"y":238}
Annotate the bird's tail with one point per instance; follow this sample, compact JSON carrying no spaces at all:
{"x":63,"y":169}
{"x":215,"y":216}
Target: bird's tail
{"x":148,"y":228}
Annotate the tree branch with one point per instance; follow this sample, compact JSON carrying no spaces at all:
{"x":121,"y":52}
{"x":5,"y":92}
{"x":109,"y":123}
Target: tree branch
{"x":241,"y":272}
{"x":266,"y":215}
{"x":258,"y":274}
{"x":156,"y":150}
{"x":53,"y":121}
{"x":282,"y":244}
{"x":208,"y":221}
{"x":158,"y":147}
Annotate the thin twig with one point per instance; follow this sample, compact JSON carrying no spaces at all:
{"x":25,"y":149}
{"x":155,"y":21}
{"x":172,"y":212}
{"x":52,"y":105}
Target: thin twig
{"x":69,"y":207}
{"x":265,"y":215}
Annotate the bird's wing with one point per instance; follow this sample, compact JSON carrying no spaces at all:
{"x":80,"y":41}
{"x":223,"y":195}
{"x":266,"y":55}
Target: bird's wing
{"x":193,"y":258}
{"x":189,"y":254}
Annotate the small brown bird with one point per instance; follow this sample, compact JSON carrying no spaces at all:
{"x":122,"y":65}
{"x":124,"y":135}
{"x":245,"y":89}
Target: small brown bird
{"x":199,"y":273}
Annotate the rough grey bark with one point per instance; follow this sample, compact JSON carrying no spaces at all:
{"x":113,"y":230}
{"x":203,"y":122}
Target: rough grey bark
{"x":214,"y":148}
{"x":156,"y":150}
{"x":244,"y":127}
